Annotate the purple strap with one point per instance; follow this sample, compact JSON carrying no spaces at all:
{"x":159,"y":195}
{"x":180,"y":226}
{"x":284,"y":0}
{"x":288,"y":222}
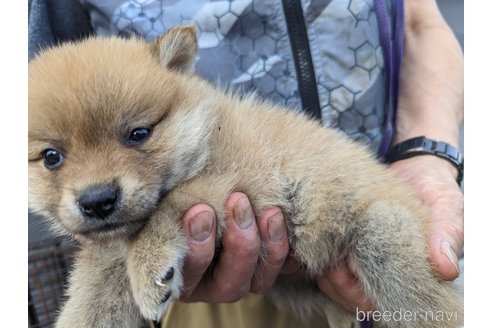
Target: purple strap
{"x":391,"y":38}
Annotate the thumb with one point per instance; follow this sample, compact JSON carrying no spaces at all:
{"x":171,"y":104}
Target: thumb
{"x":445,"y":245}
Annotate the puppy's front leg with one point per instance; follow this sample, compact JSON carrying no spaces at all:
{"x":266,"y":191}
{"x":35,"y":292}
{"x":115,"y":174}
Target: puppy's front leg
{"x":155,"y":260}
{"x":99,"y":294}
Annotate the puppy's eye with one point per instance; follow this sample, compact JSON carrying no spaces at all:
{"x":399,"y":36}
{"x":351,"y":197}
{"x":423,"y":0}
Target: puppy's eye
{"x":139,"y":135}
{"x":52,"y":158}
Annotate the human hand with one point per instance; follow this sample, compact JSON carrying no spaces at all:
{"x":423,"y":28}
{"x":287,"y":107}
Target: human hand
{"x":238,"y":270}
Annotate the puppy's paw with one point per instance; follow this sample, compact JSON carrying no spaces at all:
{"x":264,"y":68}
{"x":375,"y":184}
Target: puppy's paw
{"x":155,"y":288}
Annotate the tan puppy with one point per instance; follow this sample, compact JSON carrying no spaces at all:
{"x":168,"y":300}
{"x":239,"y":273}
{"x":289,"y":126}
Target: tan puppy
{"x":123,"y":140}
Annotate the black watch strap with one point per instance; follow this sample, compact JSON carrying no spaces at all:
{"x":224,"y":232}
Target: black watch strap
{"x":426,"y":146}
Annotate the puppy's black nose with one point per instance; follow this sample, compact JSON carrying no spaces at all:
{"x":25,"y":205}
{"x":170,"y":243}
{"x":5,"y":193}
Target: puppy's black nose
{"x":98,"y":201}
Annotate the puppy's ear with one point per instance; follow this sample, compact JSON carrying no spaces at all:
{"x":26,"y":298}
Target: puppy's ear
{"x":176,"y":50}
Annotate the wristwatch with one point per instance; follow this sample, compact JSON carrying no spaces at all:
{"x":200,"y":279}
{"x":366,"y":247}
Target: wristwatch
{"x":425,"y":146}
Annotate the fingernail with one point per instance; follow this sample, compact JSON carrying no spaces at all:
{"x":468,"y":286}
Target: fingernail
{"x":447,"y":250}
{"x":201,"y":226}
{"x":243,"y":213}
{"x":276,"y":227}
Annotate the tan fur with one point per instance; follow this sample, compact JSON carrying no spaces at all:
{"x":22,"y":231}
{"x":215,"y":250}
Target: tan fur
{"x":339,"y":203}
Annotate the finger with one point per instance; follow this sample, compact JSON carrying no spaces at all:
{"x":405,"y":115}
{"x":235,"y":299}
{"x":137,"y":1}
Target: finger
{"x":199,"y":225}
{"x":445,"y":238}
{"x":274,"y":237}
{"x":345,"y":288}
{"x":231,"y":278}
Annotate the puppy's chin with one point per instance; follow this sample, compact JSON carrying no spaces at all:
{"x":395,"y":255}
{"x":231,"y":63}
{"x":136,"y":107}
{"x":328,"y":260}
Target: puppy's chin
{"x":108,"y":231}
{"x":119,"y":225}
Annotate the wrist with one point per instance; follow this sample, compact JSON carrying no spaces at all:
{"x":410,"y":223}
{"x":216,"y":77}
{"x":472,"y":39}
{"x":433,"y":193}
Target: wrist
{"x":448,"y":134}
{"x":435,"y":124}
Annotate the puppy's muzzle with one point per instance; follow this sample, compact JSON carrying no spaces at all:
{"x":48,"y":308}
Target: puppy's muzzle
{"x":98,"y":201}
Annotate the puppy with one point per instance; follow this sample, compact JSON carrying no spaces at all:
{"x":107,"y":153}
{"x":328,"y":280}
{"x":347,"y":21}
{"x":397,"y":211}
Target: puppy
{"x":123,"y":139}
